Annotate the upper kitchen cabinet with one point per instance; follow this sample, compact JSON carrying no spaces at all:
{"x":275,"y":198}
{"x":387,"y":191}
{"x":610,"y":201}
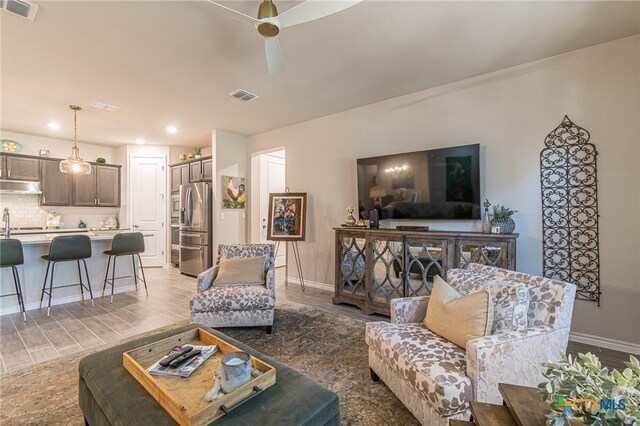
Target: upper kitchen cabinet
{"x":55,"y":185}
{"x":207,"y":169}
{"x":195,"y":171}
{"x":179,"y":176}
{"x":19,"y":167}
{"x":101,"y":188}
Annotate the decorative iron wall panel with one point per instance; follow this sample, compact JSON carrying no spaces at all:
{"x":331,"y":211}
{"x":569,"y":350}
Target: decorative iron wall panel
{"x":570,"y":209}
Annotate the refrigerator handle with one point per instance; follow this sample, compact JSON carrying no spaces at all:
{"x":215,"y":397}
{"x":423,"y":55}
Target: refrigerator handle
{"x":189,"y":207}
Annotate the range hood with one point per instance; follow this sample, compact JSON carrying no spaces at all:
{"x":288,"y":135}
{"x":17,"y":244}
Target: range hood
{"x":19,"y":187}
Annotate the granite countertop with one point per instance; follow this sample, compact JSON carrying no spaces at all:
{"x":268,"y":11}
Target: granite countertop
{"x":34,"y":239}
{"x":63,"y":230}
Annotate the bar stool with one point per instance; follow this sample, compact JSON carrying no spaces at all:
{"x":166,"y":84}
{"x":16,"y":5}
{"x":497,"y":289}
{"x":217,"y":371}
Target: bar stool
{"x":67,"y":248}
{"x":125,"y":244}
{"x":11,"y":256}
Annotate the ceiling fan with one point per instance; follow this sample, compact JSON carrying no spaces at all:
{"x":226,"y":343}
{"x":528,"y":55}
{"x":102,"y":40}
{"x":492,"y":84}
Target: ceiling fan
{"x":269,"y":23}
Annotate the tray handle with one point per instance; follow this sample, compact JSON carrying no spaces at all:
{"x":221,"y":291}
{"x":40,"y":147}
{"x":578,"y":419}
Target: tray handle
{"x":257,"y":391}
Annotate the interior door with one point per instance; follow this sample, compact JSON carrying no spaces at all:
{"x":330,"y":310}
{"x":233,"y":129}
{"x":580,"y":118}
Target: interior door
{"x":148,"y":209}
{"x":272,"y":179}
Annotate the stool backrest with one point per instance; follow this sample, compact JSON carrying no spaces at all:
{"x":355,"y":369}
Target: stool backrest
{"x":11,"y":252}
{"x":70,"y":247}
{"x":127,"y":243}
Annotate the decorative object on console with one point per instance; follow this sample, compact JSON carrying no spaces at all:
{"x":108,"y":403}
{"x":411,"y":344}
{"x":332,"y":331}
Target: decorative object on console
{"x":502,"y":217}
{"x":351,"y":221}
{"x":568,"y":177}
{"x":486,"y":223}
{"x":9,"y":145}
{"x":234,"y":195}
{"x":584,"y":380}
{"x":74,"y":164}
{"x":101,"y":160}
{"x":44,"y":153}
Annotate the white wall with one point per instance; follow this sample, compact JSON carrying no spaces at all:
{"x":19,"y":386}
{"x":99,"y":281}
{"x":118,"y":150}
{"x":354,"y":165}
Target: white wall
{"x":61,"y":148}
{"x":230,"y":159}
{"x":509,"y":113}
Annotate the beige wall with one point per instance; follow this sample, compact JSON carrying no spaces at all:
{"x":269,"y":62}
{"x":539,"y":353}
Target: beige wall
{"x":61,"y":148}
{"x":230,"y":159}
{"x":509,"y":113}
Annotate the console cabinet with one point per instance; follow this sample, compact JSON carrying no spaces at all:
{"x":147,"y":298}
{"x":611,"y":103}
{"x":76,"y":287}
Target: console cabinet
{"x":374,"y":266}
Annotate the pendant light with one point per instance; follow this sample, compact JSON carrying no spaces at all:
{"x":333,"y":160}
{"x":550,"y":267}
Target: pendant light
{"x":74,"y":164}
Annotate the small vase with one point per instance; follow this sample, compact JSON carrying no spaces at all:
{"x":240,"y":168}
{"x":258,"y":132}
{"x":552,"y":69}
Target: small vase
{"x":197,"y":156}
{"x":486,"y":223}
{"x":351,"y":220}
{"x":507,"y":225}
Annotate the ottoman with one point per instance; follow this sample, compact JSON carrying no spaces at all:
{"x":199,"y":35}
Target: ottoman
{"x":109,"y":395}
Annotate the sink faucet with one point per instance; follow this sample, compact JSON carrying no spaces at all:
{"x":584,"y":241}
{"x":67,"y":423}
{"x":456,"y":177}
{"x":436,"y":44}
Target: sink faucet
{"x":7,"y":224}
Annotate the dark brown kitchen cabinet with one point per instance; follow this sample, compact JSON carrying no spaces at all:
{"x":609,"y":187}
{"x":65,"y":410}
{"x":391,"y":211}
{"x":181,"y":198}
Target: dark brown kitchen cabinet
{"x":108,"y":186}
{"x":20,"y":168}
{"x":207,"y":170}
{"x":179,"y":176}
{"x":55,"y":185}
{"x":195,"y":171}
{"x":101,"y":188}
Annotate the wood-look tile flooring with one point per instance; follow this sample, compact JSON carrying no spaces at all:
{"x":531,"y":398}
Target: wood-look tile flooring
{"x":77,"y":326}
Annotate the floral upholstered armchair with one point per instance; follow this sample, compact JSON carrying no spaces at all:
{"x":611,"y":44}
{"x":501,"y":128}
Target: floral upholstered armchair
{"x":236,"y":305}
{"x":436,"y":379}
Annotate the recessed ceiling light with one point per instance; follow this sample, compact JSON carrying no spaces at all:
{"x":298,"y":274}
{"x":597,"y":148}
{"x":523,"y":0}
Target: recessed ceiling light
{"x":54,"y":126}
{"x":140,"y":141}
{"x":172,"y":129}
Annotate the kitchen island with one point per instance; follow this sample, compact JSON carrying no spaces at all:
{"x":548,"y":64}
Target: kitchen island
{"x":32,"y":272}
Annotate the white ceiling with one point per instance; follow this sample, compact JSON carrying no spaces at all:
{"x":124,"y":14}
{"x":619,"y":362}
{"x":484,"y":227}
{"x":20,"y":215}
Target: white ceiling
{"x":174,"y":62}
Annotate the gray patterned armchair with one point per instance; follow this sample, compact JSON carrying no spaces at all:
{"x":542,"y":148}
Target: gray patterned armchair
{"x":236,"y":305}
{"x":436,"y":380}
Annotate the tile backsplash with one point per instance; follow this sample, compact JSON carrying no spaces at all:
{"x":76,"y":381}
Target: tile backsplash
{"x":25,"y":211}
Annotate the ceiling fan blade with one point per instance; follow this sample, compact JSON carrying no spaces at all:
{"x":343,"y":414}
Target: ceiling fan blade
{"x":313,"y":9}
{"x":234,"y":13}
{"x":275,"y":61}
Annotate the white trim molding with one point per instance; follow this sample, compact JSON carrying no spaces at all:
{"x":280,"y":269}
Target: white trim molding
{"x":311,"y":284}
{"x":604,"y":342}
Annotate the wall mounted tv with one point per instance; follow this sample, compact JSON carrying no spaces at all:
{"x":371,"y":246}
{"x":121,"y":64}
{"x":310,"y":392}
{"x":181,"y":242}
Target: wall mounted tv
{"x":435,"y":184}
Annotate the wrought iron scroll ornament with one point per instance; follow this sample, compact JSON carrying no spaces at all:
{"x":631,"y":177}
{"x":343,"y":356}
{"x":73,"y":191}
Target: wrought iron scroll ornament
{"x":570,"y":209}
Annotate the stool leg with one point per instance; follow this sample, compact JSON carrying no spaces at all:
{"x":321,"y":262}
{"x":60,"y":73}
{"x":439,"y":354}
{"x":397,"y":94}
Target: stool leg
{"x":135,"y":273}
{"x":113,"y":277}
{"x":16,"y":281}
{"x":53,"y":268}
{"x":106,"y":274}
{"x":44,"y":286}
{"x":80,"y":276}
{"x":86,"y":271}
{"x":144,"y":279}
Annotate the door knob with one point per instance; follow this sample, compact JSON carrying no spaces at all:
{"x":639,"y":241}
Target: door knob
{"x":264,"y":226}
{"x":136,"y":226}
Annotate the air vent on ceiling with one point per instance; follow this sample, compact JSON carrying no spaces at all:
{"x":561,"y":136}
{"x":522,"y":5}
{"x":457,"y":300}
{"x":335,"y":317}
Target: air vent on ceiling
{"x":104,"y":107}
{"x":243,"y":95}
{"x":22,"y":8}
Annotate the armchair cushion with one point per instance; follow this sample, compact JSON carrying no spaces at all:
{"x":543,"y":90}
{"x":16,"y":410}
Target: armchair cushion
{"x":249,"y":270}
{"x":431,"y":365}
{"x":233,"y":298}
{"x":510,"y":298}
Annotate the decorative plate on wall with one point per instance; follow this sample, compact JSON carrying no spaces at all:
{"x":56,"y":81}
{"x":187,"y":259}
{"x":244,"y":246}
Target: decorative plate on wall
{"x":9,"y":145}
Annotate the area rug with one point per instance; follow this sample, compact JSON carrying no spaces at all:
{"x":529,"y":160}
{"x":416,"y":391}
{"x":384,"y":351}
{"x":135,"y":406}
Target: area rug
{"x":328,"y":347}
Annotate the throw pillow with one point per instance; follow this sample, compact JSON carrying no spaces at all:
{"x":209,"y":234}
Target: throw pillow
{"x":247,"y":270}
{"x":458,"y":318}
{"x":510,"y":298}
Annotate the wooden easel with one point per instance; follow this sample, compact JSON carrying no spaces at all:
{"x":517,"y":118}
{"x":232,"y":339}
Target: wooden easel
{"x":296,"y":255}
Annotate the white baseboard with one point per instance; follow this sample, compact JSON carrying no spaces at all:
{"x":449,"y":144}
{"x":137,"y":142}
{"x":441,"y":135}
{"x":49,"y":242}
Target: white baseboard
{"x":312,"y":284}
{"x":604,"y":342}
{"x":67,"y":299}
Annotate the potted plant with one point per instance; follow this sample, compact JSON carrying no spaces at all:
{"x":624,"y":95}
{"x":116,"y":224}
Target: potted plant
{"x":198,"y":152}
{"x":582,"y":391}
{"x":502,"y":217}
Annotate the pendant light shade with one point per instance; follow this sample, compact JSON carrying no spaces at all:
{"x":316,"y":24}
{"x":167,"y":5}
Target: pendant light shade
{"x":74,"y":164}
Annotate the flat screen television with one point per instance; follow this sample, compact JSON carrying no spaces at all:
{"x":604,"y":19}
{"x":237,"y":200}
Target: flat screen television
{"x":434,"y":184}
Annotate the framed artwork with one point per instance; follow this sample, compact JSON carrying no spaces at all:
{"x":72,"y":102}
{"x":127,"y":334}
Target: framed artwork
{"x":234,"y":192}
{"x":287,"y":216}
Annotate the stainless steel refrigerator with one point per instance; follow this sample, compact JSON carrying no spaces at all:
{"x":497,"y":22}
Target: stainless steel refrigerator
{"x":195,"y":228}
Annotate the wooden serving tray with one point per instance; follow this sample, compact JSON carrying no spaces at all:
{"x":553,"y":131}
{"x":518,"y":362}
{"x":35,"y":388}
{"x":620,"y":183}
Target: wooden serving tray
{"x":183,"y":398}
